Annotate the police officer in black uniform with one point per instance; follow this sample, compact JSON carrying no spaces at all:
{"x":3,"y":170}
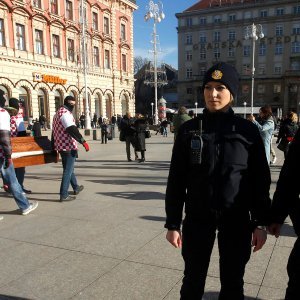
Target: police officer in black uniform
{"x":220,"y":174}
{"x":286,"y":202}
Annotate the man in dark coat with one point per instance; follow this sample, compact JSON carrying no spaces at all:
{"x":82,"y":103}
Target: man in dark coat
{"x":286,"y":202}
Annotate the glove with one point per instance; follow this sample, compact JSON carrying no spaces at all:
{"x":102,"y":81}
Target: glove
{"x":7,"y":162}
{"x":86,"y":146}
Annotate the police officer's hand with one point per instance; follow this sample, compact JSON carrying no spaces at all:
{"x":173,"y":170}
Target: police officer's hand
{"x":274,"y":229}
{"x":251,"y":118}
{"x":174,"y":238}
{"x":259,"y":238}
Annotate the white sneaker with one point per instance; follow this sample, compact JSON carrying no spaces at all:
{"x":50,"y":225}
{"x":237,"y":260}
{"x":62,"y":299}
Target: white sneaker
{"x":32,"y":206}
{"x":274,"y":160}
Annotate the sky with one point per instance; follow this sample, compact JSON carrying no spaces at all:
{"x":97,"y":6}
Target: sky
{"x":166,"y":30}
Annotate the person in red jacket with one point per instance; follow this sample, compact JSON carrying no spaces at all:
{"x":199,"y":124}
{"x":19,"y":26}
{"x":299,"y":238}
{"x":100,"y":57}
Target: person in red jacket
{"x":65,"y":136}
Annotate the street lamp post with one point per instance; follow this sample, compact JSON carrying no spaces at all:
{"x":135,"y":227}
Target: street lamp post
{"x":196,"y":104}
{"x":245,"y":105}
{"x":152,"y":109}
{"x":155,"y":12}
{"x":253,"y":32}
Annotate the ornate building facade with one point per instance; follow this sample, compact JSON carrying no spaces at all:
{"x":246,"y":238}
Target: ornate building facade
{"x":42,"y":55}
{"x":212,"y":31}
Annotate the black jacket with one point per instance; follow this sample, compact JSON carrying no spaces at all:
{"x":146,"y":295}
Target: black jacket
{"x":233,"y":174}
{"x":286,"y":197}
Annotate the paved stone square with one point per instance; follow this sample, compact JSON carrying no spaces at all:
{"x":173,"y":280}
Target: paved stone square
{"x":110,"y":242}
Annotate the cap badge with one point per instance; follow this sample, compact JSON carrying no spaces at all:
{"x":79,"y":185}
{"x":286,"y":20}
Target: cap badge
{"x":216,"y":75}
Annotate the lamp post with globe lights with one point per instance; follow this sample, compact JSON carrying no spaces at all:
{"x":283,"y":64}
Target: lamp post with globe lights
{"x":155,"y":12}
{"x":253,"y":32}
{"x":196,"y":105}
{"x":152,"y":110}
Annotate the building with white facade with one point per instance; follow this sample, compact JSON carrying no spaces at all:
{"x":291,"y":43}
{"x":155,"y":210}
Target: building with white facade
{"x":212,"y":31}
{"x":41,"y":55}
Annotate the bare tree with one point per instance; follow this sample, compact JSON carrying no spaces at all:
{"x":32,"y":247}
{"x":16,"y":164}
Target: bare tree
{"x":139,"y":62}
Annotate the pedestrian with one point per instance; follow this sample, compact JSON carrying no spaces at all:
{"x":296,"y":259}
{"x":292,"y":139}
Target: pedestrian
{"x":82,"y":120}
{"x":266,"y":126}
{"x":43,"y":122}
{"x":214,"y":174}
{"x":95,"y":118}
{"x":104,"y":129}
{"x":287,"y":131}
{"x":140,"y":126}
{"x":164,"y":125}
{"x":65,"y":137}
{"x":17,"y":129}
{"x":128,"y":130}
{"x":6,"y":163}
{"x":286,"y":202}
{"x":179,"y":119}
{"x":36,"y":128}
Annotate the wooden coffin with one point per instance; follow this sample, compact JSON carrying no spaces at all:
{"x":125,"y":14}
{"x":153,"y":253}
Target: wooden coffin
{"x":29,"y":151}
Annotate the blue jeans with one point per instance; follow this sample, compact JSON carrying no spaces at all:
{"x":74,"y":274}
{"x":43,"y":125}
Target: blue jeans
{"x":9,"y":177}
{"x":68,"y":160}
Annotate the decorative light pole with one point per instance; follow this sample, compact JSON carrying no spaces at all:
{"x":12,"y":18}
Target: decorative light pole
{"x":155,"y":12}
{"x":245,"y":105}
{"x":253,"y":32}
{"x":152,"y":109}
{"x":84,"y":56}
{"x":196,"y":104}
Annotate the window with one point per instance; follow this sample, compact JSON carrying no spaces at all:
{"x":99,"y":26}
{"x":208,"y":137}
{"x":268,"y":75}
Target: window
{"x":278,"y":48}
{"x":246,"y":50}
{"x":277,"y":88}
{"x":231,"y":52}
{"x":124,"y":63}
{"x":262,"y":49}
{"x":39,"y":49}
{"x":202,"y":70}
{"x":203,"y":52}
{"x":37,"y":3}
{"x":263,"y":13}
{"x":231,"y":35}
{"x":55,"y":43}
{"x":296,"y":10}
{"x":188,"y":39}
{"x":106,"y":25}
{"x":277,"y":69}
{"x":96,"y":56}
{"x":2,"y":33}
{"x":296,"y":29}
{"x":246,"y":69}
{"x":261,"y":88}
{"x":69,"y":10}
{"x":95,"y":21}
{"x":296,"y":47}
{"x":217,"y":53}
{"x":232,"y":18}
{"x":106,"y":59}
{"x":189,"y":91}
{"x":123,"y":32}
{"x":189,"y":73}
{"x":189,"y":55}
{"x":279,"y":11}
{"x":189,"y":22}
{"x":279,"y":30}
{"x":202,"y":38}
{"x":202,"y":21}
{"x":71,"y":50}
{"x":261,"y":69}
{"x":54,"y":7}
{"x":217,"y":19}
{"x":217,"y":36}
{"x":247,"y":15}
{"x":20,"y":35}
